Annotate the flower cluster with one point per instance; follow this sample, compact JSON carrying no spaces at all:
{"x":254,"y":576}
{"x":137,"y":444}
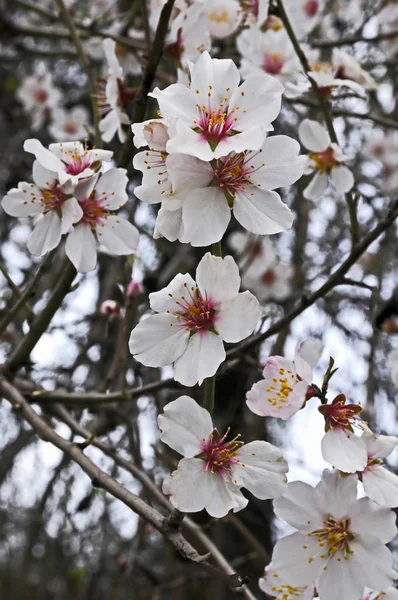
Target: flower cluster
{"x":72,"y":195}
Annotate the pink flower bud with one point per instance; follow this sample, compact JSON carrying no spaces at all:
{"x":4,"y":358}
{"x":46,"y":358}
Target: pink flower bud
{"x":111,"y":309}
{"x":134,"y":289}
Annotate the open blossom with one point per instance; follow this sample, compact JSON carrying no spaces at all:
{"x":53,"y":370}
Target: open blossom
{"x":223,"y":17}
{"x":215,"y":115}
{"x":214,"y":468}
{"x":195,"y":320}
{"x":283,"y":390}
{"x":267,"y":52}
{"x":202,"y":196}
{"x":392,"y":365}
{"x":70,"y":162}
{"x":380,"y":484}
{"x":69,"y":125}
{"x":263,"y":274}
{"x":98,"y":198}
{"x":340,"y":539}
{"x":39,"y":97}
{"x":189,"y":35}
{"x":326,"y":161}
{"x":272,"y":585}
{"x":340,"y":446}
{"x":349,"y":68}
{"x":45,"y":198}
{"x":114,"y":97}
{"x":304,"y":15}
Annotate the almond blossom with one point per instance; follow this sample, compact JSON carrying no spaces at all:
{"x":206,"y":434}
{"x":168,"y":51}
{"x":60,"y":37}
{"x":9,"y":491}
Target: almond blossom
{"x":214,"y":469}
{"x":341,"y":448}
{"x":203,"y":195}
{"x":349,"y":68}
{"x":194,"y":321}
{"x":263,"y":274}
{"x":283,"y":391}
{"x":45,"y":198}
{"x":69,"y":125}
{"x":112,"y":99}
{"x":215,"y":115}
{"x":340,"y":540}
{"x":304,"y":15}
{"x":70,"y":162}
{"x":267,"y":52}
{"x":98,"y":198}
{"x":223,"y":17}
{"x":380,"y":484}
{"x":189,"y":35}
{"x":326,"y":160}
{"x":272,"y":585}
{"x":39,"y":97}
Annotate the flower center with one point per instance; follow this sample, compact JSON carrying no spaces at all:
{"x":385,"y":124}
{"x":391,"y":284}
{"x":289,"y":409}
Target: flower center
{"x":273,"y":63}
{"x":219,"y":454}
{"x":311,"y":8}
{"x":195,"y":312}
{"x":76,"y":163}
{"x":281,"y":388}
{"x":334,"y":536}
{"x":93,"y":211}
{"x":232,"y":174}
{"x":341,"y":416}
{"x":41,"y":96}
{"x":269,"y":277}
{"x":286,"y":591}
{"x":52,"y":199}
{"x":214,"y":125}
{"x":70,"y":128}
{"x":324,"y":161}
{"x":218,"y":16}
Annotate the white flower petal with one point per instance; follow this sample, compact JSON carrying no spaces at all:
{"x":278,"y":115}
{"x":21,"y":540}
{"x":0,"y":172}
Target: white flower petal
{"x":24,"y":201}
{"x":158,"y":340}
{"x":188,"y":172}
{"x":257,"y":102}
{"x":344,"y":450}
{"x":311,"y":351}
{"x":237,"y":317}
{"x":42,"y":177}
{"x":178,"y":289}
{"x":299,"y":508}
{"x":261,"y":400}
{"x":342,"y":178}
{"x":278,"y":163}
{"x":317,"y":186}
{"x":262,"y":211}
{"x":46,"y":234}
{"x":112,"y":184}
{"x":118,"y":235}
{"x":168,"y":224}
{"x":264,"y":471}
{"x":201,"y":359}
{"x":381,"y":486}
{"x":184,"y":425}
{"x":190,"y":487}
{"x":368,"y":518}
{"x":205,"y":216}
{"x":71,"y":213}
{"x":343,"y":579}
{"x":81,"y":248}
{"x":290,"y":559}
{"x":46,"y":158}
{"x":218,"y":277}
{"x":379,"y":446}
{"x":313,"y":136}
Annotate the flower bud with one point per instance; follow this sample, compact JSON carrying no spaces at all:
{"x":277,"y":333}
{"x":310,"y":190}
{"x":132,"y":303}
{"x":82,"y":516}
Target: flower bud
{"x":111,"y":309}
{"x":135,"y":289}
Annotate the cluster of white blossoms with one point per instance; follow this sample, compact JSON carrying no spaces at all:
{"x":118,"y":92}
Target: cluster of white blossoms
{"x":72,"y":196}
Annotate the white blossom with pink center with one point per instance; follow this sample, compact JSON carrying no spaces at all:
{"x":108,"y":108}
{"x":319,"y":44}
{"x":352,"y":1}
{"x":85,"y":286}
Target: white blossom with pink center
{"x":223,"y":17}
{"x":111,"y":100}
{"x":263,"y":273}
{"x":45,"y":199}
{"x":283,"y":391}
{"x":239,"y":183}
{"x":99,"y":197}
{"x":214,"y":468}
{"x":340,"y":540}
{"x":272,"y":585}
{"x":189,"y":35}
{"x":69,"y":125}
{"x":267,"y":52}
{"x":194,"y":321}
{"x":39,"y":97}
{"x":341,"y":447}
{"x":215,"y":115}
{"x":326,"y":161}
{"x":304,"y":15}
{"x":380,"y":484}
{"x":70,"y":162}
{"x":387,"y":594}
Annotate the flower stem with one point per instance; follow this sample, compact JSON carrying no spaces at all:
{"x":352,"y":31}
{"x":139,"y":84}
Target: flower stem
{"x":208,"y":402}
{"x":216,"y":249}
